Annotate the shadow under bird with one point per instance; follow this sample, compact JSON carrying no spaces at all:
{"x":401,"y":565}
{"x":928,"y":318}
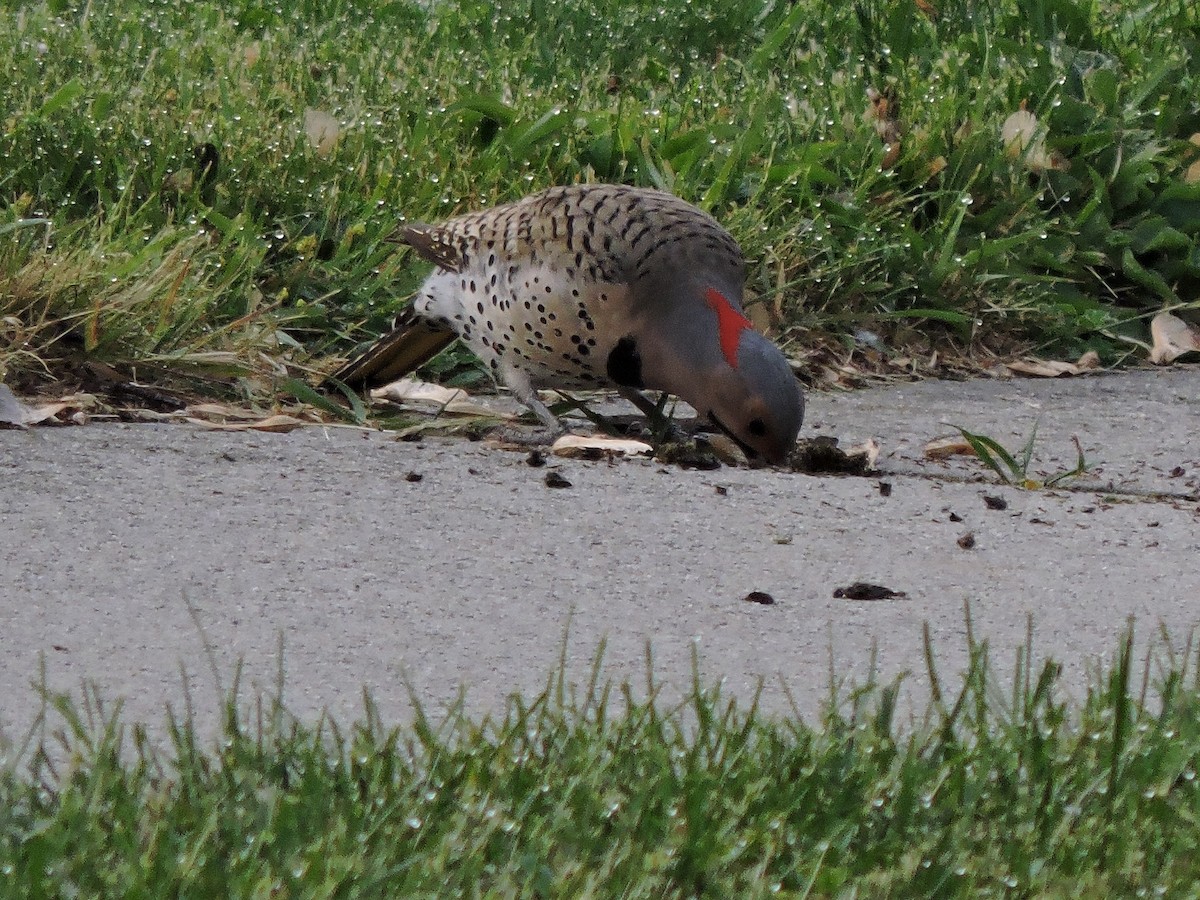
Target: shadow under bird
{"x":590,"y":287}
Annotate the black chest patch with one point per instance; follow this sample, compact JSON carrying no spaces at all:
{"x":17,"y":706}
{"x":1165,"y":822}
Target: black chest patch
{"x":624,"y":364}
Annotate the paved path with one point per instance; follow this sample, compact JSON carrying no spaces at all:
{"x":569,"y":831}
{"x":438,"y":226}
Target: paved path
{"x":471,"y":575}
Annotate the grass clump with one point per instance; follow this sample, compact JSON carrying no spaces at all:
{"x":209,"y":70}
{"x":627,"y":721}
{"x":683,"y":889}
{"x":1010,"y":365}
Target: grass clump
{"x":606,"y":792}
{"x":904,"y":214}
{"x":1014,"y":469}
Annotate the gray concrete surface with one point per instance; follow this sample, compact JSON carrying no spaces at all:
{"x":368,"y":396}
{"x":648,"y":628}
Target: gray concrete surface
{"x":471,"y":575}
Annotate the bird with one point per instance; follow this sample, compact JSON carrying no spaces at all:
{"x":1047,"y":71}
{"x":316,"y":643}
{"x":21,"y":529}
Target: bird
{"x":594,"y":287}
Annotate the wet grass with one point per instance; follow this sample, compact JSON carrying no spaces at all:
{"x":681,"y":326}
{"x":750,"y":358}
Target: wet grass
{"x":902,"y":220}
{"x":606,"y":791}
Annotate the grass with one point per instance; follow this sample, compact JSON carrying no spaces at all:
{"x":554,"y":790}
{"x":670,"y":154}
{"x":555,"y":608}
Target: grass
{"x":1014,"y":468}
{"x":606,"y":791}
{"x":906,"y":217}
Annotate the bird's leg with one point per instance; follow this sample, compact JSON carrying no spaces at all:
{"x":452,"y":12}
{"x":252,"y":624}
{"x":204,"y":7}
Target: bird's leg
{"x":518,"y":383}
{"x":661,"y":425}
{"x":604,"y":423}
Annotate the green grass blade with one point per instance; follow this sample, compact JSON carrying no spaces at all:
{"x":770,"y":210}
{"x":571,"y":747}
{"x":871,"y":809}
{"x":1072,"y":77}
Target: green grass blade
{"x":65,"y":95}
{"x":305,"y":393}
{"x":993,"y":455}
{"x":1081,"y":465}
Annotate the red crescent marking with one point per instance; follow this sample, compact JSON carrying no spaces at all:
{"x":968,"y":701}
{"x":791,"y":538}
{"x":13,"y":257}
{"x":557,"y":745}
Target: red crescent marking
{"x":730,"y":324}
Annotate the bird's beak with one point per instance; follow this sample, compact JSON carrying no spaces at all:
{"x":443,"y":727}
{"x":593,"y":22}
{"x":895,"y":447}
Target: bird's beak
{"x":751,"y":453}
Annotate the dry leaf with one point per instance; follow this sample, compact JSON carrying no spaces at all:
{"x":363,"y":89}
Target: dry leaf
{"x":49,"y":412}
{"x":1192,"y":173}
{"x":1040,"y":368}
{"x":277,"y":423}
{"x":891,"y":153}
{"x":16,"y":414}
{"x":322,"y":130}
{"x":150,"y":415}
{"x":412,"y":390}
{"x":760,"y":316}
{"x":725,"y":449}
{"x":576,"y":446}
{"x":1053,"y":368}
{"x":881,"y":115}
{"x":221,"y":412}
{"x":252,"y":53}
{"x":1172,"y":337}
{"x":868,"y":449}
{"x":941,"y":448}
{"x":455,"y":401}
{"x":1022,"y":139}
{"x":12,"y":410}
{"x":1018,"y":132}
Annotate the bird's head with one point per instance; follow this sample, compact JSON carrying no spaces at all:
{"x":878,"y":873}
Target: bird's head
{"x":758,"y":402}
{"x":733,"y":376}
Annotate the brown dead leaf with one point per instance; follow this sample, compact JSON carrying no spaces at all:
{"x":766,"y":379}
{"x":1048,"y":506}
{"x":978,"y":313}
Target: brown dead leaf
{"x":868,"y":450}
{"x":760,"y":316}
{"x":944,"y":447}
{"x":412,"y":390}
{"x":221,"y":417}
{"x":53,"y":412}
{"x":882,"y":115}
{"x":1192,"y":173}
{"x":278,"y":423}
{"x":1018,"y":132}
{"x":455,"y":401}
{"x":725,"y":449}
{"x":1053,"y":368}
{"x":1172,"y":337}
{"x":12,"y":410}
{"x":220,"y":412}
{"x":322,"y":130}
{"x":1024,"y":139}
{"x":891,"y":154}
{"x":575,"y":446}
{"x":15,"y":413}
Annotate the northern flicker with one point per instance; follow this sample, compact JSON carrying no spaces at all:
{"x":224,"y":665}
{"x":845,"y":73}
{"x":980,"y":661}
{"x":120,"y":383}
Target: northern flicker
{"x":597,"y":286}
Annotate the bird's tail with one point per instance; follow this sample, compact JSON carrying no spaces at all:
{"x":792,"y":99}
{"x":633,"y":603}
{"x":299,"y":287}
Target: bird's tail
{"x":411,"y":343}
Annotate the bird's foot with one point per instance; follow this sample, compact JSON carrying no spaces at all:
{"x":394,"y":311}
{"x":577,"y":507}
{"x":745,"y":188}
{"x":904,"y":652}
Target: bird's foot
{"x":517,"y":437}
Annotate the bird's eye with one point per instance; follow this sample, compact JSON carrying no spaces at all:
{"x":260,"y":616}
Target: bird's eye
{"x":757,"y":427}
